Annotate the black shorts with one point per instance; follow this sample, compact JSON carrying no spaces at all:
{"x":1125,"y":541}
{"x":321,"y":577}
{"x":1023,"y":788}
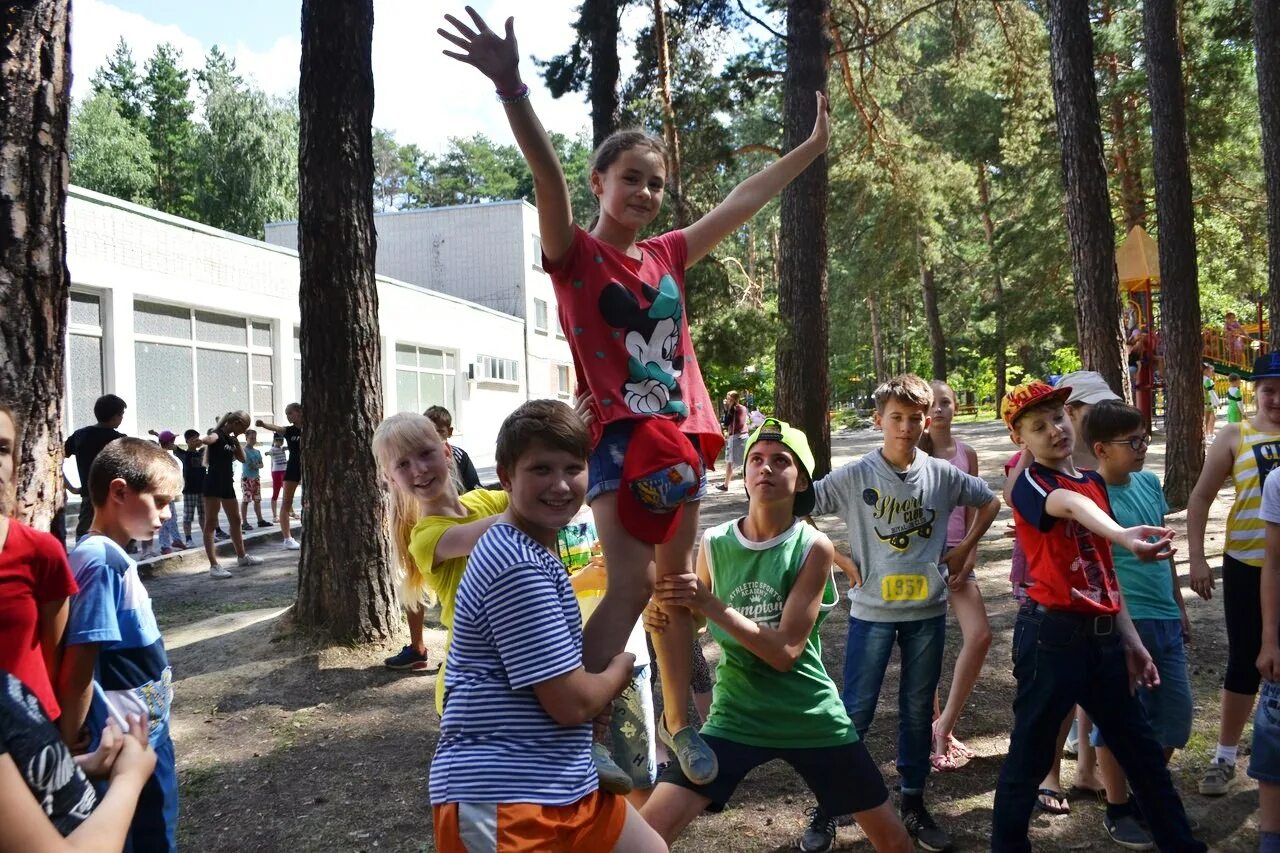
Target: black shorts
{"x":293,"y":471}
{"x":221,"y":491}
{"x":843,"y":778}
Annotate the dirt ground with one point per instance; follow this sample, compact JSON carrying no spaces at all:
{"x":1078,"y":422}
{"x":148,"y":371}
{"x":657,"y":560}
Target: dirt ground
{"x":282,"y":745}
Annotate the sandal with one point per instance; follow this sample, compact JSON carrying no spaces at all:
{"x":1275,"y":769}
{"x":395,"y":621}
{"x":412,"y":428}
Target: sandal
{"x":943,"y":762}
{"x":957,"y":748}
{"x":1099,"y":794}
{"x":1052,"y":802}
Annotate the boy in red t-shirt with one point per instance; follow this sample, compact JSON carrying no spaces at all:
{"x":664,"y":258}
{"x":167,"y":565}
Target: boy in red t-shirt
{"x":1073,"y":641}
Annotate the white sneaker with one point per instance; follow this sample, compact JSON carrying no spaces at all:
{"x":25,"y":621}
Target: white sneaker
{"x":292,"y":544}
{"x":218,"y":572}
{"x":249,"y":560}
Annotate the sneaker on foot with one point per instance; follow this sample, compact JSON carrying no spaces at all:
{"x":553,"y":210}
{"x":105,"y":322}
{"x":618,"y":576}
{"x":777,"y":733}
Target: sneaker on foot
{"x":164,"y":552}
{"x":1217,"y":779}
{"x":406,"y":659}
{"x":697,"y":759}
{"x":926,"y":832}
{"x":262,"y":525}
{"x":821,"y":833}
{"x":613,"y":778}
{"x":292,"y":544}
{"x":219,"y":535}
{"x":218,"y":572}
{"x":1127,"y":832}
{"x":249,"y":560}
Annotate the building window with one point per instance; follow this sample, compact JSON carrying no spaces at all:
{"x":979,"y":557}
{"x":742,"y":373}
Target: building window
{"x":537,"y":253}
{"x":297,"y":362}
{"x":564,"y":380}
{"x":540,"y":316}
{"x":84,"y":359}
{"x":193,"y":366}
{"x":493,"y":369}
{"x":425,"y":377}
{"x":555,"y":319}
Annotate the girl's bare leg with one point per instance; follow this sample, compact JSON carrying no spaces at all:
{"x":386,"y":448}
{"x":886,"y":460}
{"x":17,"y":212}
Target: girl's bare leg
{"x":975,"y":629}
{"x":286,"y":508}
{"x":629,"y":563}
{"x":232,"y":509}
{"x":416,"y":618}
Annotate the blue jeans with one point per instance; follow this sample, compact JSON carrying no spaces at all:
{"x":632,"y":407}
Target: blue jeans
{"x":1169,"y":706}
{"x":169,"y":532}
{"x":866,"y":656}
{"x":1060,"y":659}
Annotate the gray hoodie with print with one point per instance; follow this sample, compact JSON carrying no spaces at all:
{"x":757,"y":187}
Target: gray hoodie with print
{"x":897,"y":530}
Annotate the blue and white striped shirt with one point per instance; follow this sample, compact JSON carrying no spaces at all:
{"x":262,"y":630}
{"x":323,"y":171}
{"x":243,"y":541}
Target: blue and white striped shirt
{"x":516,"y":624}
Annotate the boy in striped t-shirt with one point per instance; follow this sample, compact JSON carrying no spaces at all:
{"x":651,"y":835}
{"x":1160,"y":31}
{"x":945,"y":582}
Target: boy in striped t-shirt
{"x":514,"y":764}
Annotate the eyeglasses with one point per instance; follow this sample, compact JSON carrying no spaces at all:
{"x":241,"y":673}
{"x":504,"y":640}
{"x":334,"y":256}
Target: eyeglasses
{"x":1137,"y":443}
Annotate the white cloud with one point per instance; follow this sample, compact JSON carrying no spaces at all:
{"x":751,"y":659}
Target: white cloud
{"x":422,"y":95}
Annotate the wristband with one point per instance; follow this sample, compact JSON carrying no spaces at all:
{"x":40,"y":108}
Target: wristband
{"x":515,"y":97}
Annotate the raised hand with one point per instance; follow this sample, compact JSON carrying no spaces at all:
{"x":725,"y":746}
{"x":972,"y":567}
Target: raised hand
{"x":497,"y":57}
{"x":1144,"y":548}
{"x":822,"y":124}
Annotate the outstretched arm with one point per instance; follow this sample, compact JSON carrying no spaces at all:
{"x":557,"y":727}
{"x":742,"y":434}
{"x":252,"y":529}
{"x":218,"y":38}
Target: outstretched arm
{"x":1063,"y":503}
{"x":498,"y":58}
{"x":748,"y":197}
{"x":261,"y":424}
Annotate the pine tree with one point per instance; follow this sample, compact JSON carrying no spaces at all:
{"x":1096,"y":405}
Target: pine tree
{"x":168,"y":87}
{"x":120,"y":77}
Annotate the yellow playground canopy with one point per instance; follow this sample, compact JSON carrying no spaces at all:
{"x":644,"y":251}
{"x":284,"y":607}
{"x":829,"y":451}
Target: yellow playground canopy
{"x":1138,"y":261}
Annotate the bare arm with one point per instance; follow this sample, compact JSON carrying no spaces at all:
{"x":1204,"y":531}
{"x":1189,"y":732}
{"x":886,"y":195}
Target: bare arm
{"x":460,"y":540}
{"x":52,"y":622}
{"x":746,"y":199}
{"x":1063,"y":503}
{"x":498,"y":58}
{"x":578,"y":696}
{"x":1024,"y":460}
{"x":270,"y":426}
{"x":75,"y":689}
{"x":848,"y":566}
{"x":1217,"y":467}
{"x":780,"y":646}
{"x":958,"y":559}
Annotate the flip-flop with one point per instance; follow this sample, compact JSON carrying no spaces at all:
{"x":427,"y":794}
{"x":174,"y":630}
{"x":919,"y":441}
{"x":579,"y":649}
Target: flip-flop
{"x":1043,"y":801}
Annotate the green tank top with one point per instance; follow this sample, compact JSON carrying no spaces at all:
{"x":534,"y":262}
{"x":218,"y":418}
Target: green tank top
{"x":753,"y":703}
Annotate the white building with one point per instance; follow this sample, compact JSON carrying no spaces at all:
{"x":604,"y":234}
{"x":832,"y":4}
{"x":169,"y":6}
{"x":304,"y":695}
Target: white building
{"x":186,"y":322}
{"x":488,"y":254}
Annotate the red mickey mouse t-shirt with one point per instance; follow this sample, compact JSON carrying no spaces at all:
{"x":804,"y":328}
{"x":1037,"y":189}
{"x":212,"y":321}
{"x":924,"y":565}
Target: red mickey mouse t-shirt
{"x":626,"y":326}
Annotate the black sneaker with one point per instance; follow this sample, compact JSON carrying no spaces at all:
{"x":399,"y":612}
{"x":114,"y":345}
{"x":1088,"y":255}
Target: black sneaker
{"x":1127,"y":832}
{"x":821,"y":833}
{"x":922,"y":827}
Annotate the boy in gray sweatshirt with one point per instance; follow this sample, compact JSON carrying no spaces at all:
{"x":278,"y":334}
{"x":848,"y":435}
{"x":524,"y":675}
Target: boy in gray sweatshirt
{"x":896,"y":501}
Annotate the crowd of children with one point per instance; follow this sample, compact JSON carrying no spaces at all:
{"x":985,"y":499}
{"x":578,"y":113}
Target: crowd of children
{"x":546,"y":603}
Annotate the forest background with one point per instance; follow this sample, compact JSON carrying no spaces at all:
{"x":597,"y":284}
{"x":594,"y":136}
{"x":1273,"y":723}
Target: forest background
{"x":947,"y":233}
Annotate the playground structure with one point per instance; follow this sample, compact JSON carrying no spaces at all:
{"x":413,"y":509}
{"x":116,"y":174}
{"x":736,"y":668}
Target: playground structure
{"x":1228,"y":350}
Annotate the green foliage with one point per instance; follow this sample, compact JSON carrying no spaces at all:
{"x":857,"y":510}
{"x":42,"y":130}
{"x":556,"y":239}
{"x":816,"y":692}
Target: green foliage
{"x":109,"y":153}
{"x":119,"y":77}
{"x":167,"y":86}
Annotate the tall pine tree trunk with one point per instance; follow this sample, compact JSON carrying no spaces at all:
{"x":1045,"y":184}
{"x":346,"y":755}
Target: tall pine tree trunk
{"x":929,"y":291}
{"x":344,"y":580}
{"x":670,"y":132}
{"x":1084,"y":173}
{"x":35,"y":87}
{"x":1000,"y":357}
{"x":877,"y":340}
{"x":1266,"y":43}
{"x":802,"y":371}
{"x":604,"y":25}
{"x":1179,"y":288}
{"x":1132,"y":202}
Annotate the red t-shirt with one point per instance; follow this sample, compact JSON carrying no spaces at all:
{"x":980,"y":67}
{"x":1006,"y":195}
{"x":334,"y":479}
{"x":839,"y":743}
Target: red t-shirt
{"x":33,"y":571}
{"x":1069,"y":566}
{"x":626,"y":325}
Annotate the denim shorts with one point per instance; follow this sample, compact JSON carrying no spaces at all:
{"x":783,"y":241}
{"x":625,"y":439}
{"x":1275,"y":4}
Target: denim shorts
{"x":1264,"y":763}
{"x":632,"y":736}
{"x":1169,"y":706}
{"x":604,"y":465}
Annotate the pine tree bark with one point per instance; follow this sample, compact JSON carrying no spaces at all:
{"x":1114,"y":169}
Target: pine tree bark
{"x":603,"y":28}
{"x":1132,"y":203}
{"x":877,"y":340}
{"x":1000,"y":357}
{"x":803,"y":381}
{"x":929,"y":291}
{"x":1266,"y":44}
{"x":1179,"y":288}
{"x":670,"y":131}
{"x":35,"y":95}
{"x":345,"y":588}
{"x":1084,"y":173}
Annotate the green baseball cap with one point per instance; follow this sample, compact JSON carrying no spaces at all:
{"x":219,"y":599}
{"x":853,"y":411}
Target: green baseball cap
{"x":775,"y":430}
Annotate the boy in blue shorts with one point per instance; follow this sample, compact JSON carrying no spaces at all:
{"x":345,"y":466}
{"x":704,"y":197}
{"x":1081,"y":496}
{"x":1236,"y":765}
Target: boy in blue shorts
{"x":112,"y":637}
{"x":896,"y":501}
{"x":513,"y":764}
{"x":1264,"y":764}
{"x":1073,"y":641}
{"x":764,"y":583}
{"x":1118,"y":435}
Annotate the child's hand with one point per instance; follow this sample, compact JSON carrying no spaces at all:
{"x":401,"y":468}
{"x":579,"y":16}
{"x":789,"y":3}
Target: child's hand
{"x":1138,"y":540}
{"x":1142,"y":670}
{"x":136,"y":758}
{"x":1202,"y":578}
{"x":683,"y":590}
{"x":655,"y":621}
{"x":260,"y":422}
{"x":582,"y":407}
{"x":497,"y":58}
{"x":98,"y":764}
{"x":1269,"y":662}
{"x":821,"y":135}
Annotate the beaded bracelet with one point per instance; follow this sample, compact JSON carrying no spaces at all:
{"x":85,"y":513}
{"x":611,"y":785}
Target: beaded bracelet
{"x":521,"y":94}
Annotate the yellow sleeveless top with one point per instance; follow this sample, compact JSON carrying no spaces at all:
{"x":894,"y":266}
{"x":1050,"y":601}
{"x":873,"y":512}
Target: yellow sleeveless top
{"x":1246,"y":532}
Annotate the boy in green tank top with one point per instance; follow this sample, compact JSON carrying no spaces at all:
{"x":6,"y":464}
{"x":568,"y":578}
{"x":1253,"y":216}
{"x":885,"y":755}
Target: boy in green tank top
{"x":764,"y":584}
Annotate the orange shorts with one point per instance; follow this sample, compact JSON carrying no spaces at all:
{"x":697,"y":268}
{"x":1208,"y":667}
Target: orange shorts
{"x":593,"y":823}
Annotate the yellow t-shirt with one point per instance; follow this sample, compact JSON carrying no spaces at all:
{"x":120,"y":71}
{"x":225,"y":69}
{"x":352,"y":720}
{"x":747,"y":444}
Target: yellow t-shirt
{"x":443,"y":579}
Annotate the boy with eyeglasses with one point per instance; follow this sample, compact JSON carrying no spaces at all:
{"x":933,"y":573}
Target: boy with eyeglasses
{"x":1119,"y":438}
